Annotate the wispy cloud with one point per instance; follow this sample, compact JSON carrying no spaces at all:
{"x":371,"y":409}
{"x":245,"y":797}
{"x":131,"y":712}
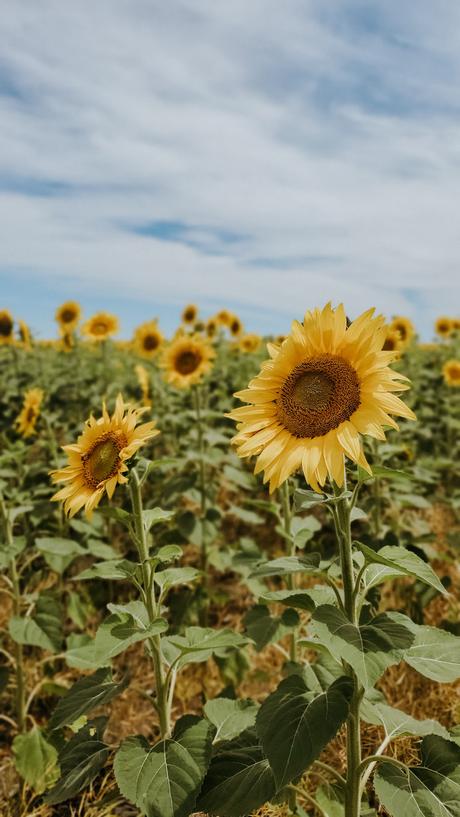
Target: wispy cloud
{"x":271,"y":156}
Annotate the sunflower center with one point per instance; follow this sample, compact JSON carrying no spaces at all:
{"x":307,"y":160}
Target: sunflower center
{"x":150,"y":343}
{"x":99,"y":328}
{"x":318,"y":395}
{"x":102,"y":461}
{"x":6,"y":326}
{"x":68,"y":315}
{"x":189,"y":315}
{"x":402,"y":330}
{"x":30,"y":414}
{"x":187,"y":362}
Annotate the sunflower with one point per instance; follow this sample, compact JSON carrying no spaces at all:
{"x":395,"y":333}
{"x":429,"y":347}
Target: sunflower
{"x":101,"y":326}
{"x":328,"y":384}
{"x":6,"y":327}
{"x":68,"y":315}
{"x":443,"y":326}
{"x":97,"y":462}
{"x":211,"y":327}
{"x":67,"y":341}
{"x":148,"y":339}
{"x":405,"y":327}
{"x":186,"y":360}
{"x":190,"y":313}
{"x":249,"y":343}
{"x":24,"y":335}
{"x":393,"y":341}
{"x":28,"y":417}
{"x":224,"y":317}
{"x":456,"y":324}
{"x":451,"y":372}
{"x":235,"y":326}
{"x":279,"y":340}
{"x":144,"y":382}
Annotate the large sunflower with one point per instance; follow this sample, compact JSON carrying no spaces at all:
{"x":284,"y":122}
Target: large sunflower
{"x":68,"y":315}
{"x":186,"y":360}
{"x":101,"y":326}
{"x":324,"y":387}
{"x":451,"y":372}
{"x":97,"y":461}
{"x":6,"y":327}
{"x":190,"y":314}
{"x":405,"y":327}
{"x":148,"y":339}
{"x":29,"y":414}
{"x":443,"y":326}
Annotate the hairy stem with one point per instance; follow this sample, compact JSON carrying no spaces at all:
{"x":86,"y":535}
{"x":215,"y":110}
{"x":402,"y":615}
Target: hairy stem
{"x":287,"y":516}
{"x":18,"y":651}
{"x":202,"y":487}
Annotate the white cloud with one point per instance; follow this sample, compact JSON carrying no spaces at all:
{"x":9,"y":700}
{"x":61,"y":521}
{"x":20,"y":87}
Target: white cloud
{"x":326,"y":146}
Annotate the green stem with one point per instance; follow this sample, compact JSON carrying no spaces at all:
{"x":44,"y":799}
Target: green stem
{"x":18,"y":651}
{"x":287,"y":517}
{"x":353,"y":790}
{"x":202,"y":484}
{"x":162,"y":697}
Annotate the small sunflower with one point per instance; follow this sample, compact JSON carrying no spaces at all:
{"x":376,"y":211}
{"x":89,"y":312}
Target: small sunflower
{"x":329,"y":383}
{"x":30,"y":412}
{"x":68,"y":315}
{"x":6,"y":327}
{"x":211,"y":327}
{"x":190,"y":313}
{"x":144,"y":382}
{"x":25,"y":338}
{"x":97,"y":461}
{"x":224,"y":317}
{"x":279,"y":340}
{"x":186,"y":360}
{"x":235,"y":326}
{"x":443,"y":326}
{"x":393,"y":341}
{"x":101,"y":326}
{"x":405,"y":327}
{"x":451,"y":372}
{"x":456,"y":324}
{"x":148,"y":339}
{"x":249,"y":343}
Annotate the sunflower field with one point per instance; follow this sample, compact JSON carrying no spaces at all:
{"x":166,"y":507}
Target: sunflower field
{"x":229,"y":568}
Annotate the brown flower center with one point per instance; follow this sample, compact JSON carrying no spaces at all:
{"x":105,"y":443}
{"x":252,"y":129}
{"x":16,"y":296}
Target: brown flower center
{"x":151,"y":343}
{"x":31,"y":414}
{"x":99,"y":328}
{"x":318,"y":395}
{"x":68,"y":315}
{"x":402,"y":329}
{"x":101,"y":462}
{"x":189,"y":315}
{"x":187,"y":362}
{"x":443,"y":328}
{"x":6,"y":326}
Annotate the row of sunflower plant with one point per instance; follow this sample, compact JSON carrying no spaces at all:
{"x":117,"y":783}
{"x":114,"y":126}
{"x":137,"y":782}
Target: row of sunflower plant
{"x":169,"y":515}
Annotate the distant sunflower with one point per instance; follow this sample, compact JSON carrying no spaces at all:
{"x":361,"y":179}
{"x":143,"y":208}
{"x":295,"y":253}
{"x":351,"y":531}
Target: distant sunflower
{"x":144,"y":382}
{"x":279,"y":340}
{"x":186,"y":360}
{"x":190,"y":313}
{"x":101,"y":326}
{"x":148,"y":339}
{"x":224,"y":317}
{"x":67,"y":341}
{"x":443,"y":326}
{"x":249,"y":343}
{"x":68,"y":315}
{"x":456,"y":324}
{"x":393,"y":341}
{"x":451,"y":372}
{"x":405,"y":327}
{"x":30,"y":412}
{"x":6,"y":327}
{"x":24,"y":335}
{"x":211,"y":327}
{"x":328,"y":384}
{"x":97,"y":461}
{"x":235,"y":326}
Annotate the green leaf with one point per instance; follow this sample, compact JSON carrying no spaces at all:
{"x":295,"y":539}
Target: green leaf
{"x":307,"y":499}
{"x":230,"y":717}
{"x":370,"y":648}
{"x":294,"y":724}
{"x":239,"y":779}
{"x":84,"y":695}
{"x":263,"y":628}
{"x":429,"y":790}
{"x":302,"y":599}
{"x":374,"y":709}
{"x":168,"y":553}
{"x":175,"y":575}
{"x":154,"y":516}
{"x":59,"y":553}
{"x":405,"y":561}
{"x":101,"y":550}
{"x":200,"y":643}
{"x":80,"y":760}
{"x":44,"y":628}
{"x":119,"y":631}
{"x":36,"y":760}
{"x":111,"y":569}
{"x":385,"y":473}
{"x":289,"y":564}
{"x":164,"y":780}
{"x":435,"y":654}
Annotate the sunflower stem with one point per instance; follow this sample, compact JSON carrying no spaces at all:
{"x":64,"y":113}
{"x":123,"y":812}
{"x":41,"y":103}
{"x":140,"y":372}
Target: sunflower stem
{"x":353,"y":787}
{"x":163,"y":703}
{"x":18,"y":651}
{"x":287,"y":517}
{"x":202,"y":479}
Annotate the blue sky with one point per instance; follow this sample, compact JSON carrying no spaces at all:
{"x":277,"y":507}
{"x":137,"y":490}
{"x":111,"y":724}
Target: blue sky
{"x":262,"y":156}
